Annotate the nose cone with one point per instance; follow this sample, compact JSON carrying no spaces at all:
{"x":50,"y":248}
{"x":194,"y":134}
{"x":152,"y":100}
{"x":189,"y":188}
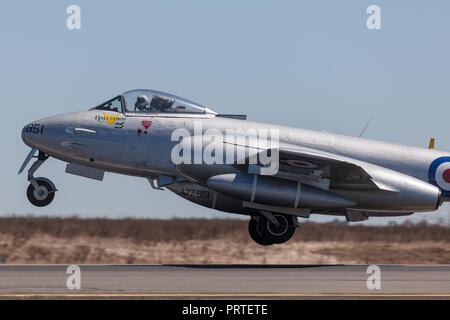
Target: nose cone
{"x":28,"y":135}
{"x":46,"y":134}
{"x":33,"y":134}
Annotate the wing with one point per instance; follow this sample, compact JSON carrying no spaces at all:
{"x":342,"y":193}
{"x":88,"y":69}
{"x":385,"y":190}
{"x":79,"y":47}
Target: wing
{"x":312,"y":165}
{"x":343,"y":173}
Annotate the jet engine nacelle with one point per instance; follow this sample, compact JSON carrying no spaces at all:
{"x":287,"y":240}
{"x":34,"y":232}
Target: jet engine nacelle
{"x":274,"y":191}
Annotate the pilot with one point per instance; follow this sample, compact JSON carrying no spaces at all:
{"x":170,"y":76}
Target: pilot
{"x":142,"y":104}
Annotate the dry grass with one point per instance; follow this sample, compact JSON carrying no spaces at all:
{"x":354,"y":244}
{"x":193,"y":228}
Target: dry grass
{"x":136,"y":230}
{"x":155,"y":230}
{"x":75,"y":240}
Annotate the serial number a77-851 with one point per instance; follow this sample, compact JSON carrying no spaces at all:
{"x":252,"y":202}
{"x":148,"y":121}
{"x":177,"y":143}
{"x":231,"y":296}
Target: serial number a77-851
{"x":199,"y":194}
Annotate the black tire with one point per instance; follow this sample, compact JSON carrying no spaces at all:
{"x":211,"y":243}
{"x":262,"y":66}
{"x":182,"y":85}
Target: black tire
{"x":256,"y":235}
{"x":43,"y":200}
{"x":274,"y":234}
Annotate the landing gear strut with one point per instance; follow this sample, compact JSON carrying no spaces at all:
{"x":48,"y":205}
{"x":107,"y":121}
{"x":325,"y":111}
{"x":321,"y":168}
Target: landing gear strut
{"x":271,"y":228}
{"x":41,"y":191}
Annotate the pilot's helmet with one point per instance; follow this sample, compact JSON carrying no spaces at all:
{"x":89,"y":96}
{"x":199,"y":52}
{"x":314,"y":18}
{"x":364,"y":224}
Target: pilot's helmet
{"x":142,"y":102}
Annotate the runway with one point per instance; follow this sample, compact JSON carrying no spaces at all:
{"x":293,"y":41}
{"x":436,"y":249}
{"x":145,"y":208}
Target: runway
{"x":226,"y":281}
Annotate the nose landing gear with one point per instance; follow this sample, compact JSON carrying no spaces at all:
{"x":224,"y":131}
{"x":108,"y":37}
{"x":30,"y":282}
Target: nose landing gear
{"x":41,"y":191}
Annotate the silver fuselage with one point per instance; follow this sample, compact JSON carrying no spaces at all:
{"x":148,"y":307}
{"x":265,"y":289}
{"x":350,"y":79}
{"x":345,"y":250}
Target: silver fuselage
{"x":125,"y":150}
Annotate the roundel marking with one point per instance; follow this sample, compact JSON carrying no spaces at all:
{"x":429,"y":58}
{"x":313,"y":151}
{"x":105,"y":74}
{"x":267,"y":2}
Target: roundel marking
{"x":439,"y":174}
{"x":300,"y":163}
{"x":446,"y":175}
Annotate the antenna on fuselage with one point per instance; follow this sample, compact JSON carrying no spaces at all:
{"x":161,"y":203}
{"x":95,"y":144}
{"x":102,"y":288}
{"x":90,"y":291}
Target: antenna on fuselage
{"x":431,"y":144}
{"x":367,"y":124}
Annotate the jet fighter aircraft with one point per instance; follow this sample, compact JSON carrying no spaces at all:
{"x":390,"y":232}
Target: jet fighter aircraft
{"x":273,"y":174}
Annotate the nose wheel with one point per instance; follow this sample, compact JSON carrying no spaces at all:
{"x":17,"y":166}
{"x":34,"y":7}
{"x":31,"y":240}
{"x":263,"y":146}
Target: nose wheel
{"x":41,"y":191}
{"x":42,"y":195}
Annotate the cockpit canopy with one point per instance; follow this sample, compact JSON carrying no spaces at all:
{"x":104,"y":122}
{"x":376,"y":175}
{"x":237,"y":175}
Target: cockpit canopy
{"x":144,"y":101}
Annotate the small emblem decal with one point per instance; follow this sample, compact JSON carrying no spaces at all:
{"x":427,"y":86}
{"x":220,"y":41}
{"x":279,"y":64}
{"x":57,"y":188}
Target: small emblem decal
{"x":116,"y":120}
{"x":146,"y":124}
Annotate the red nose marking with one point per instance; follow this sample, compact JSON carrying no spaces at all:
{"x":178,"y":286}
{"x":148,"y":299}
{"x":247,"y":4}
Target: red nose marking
{"x":446,"y":175}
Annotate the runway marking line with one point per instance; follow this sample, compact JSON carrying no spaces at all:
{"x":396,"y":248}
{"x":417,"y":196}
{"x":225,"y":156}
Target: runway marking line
{"x":106,"y":295}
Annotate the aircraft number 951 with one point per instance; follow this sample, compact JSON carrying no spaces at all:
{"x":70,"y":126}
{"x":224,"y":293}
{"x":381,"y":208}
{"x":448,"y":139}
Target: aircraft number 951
{"x":35,"y":128}
{"x":199,"y":194}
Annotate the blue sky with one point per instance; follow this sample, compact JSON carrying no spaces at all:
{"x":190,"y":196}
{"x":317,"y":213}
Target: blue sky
{"x":307,"y":64}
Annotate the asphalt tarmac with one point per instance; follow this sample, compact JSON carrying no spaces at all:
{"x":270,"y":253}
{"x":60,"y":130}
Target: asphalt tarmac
{"x":226,"y":281}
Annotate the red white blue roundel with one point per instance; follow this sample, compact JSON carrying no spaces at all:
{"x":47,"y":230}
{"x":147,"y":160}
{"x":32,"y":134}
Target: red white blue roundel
{"x":300,"y":163}
{"x":439,"y":174}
